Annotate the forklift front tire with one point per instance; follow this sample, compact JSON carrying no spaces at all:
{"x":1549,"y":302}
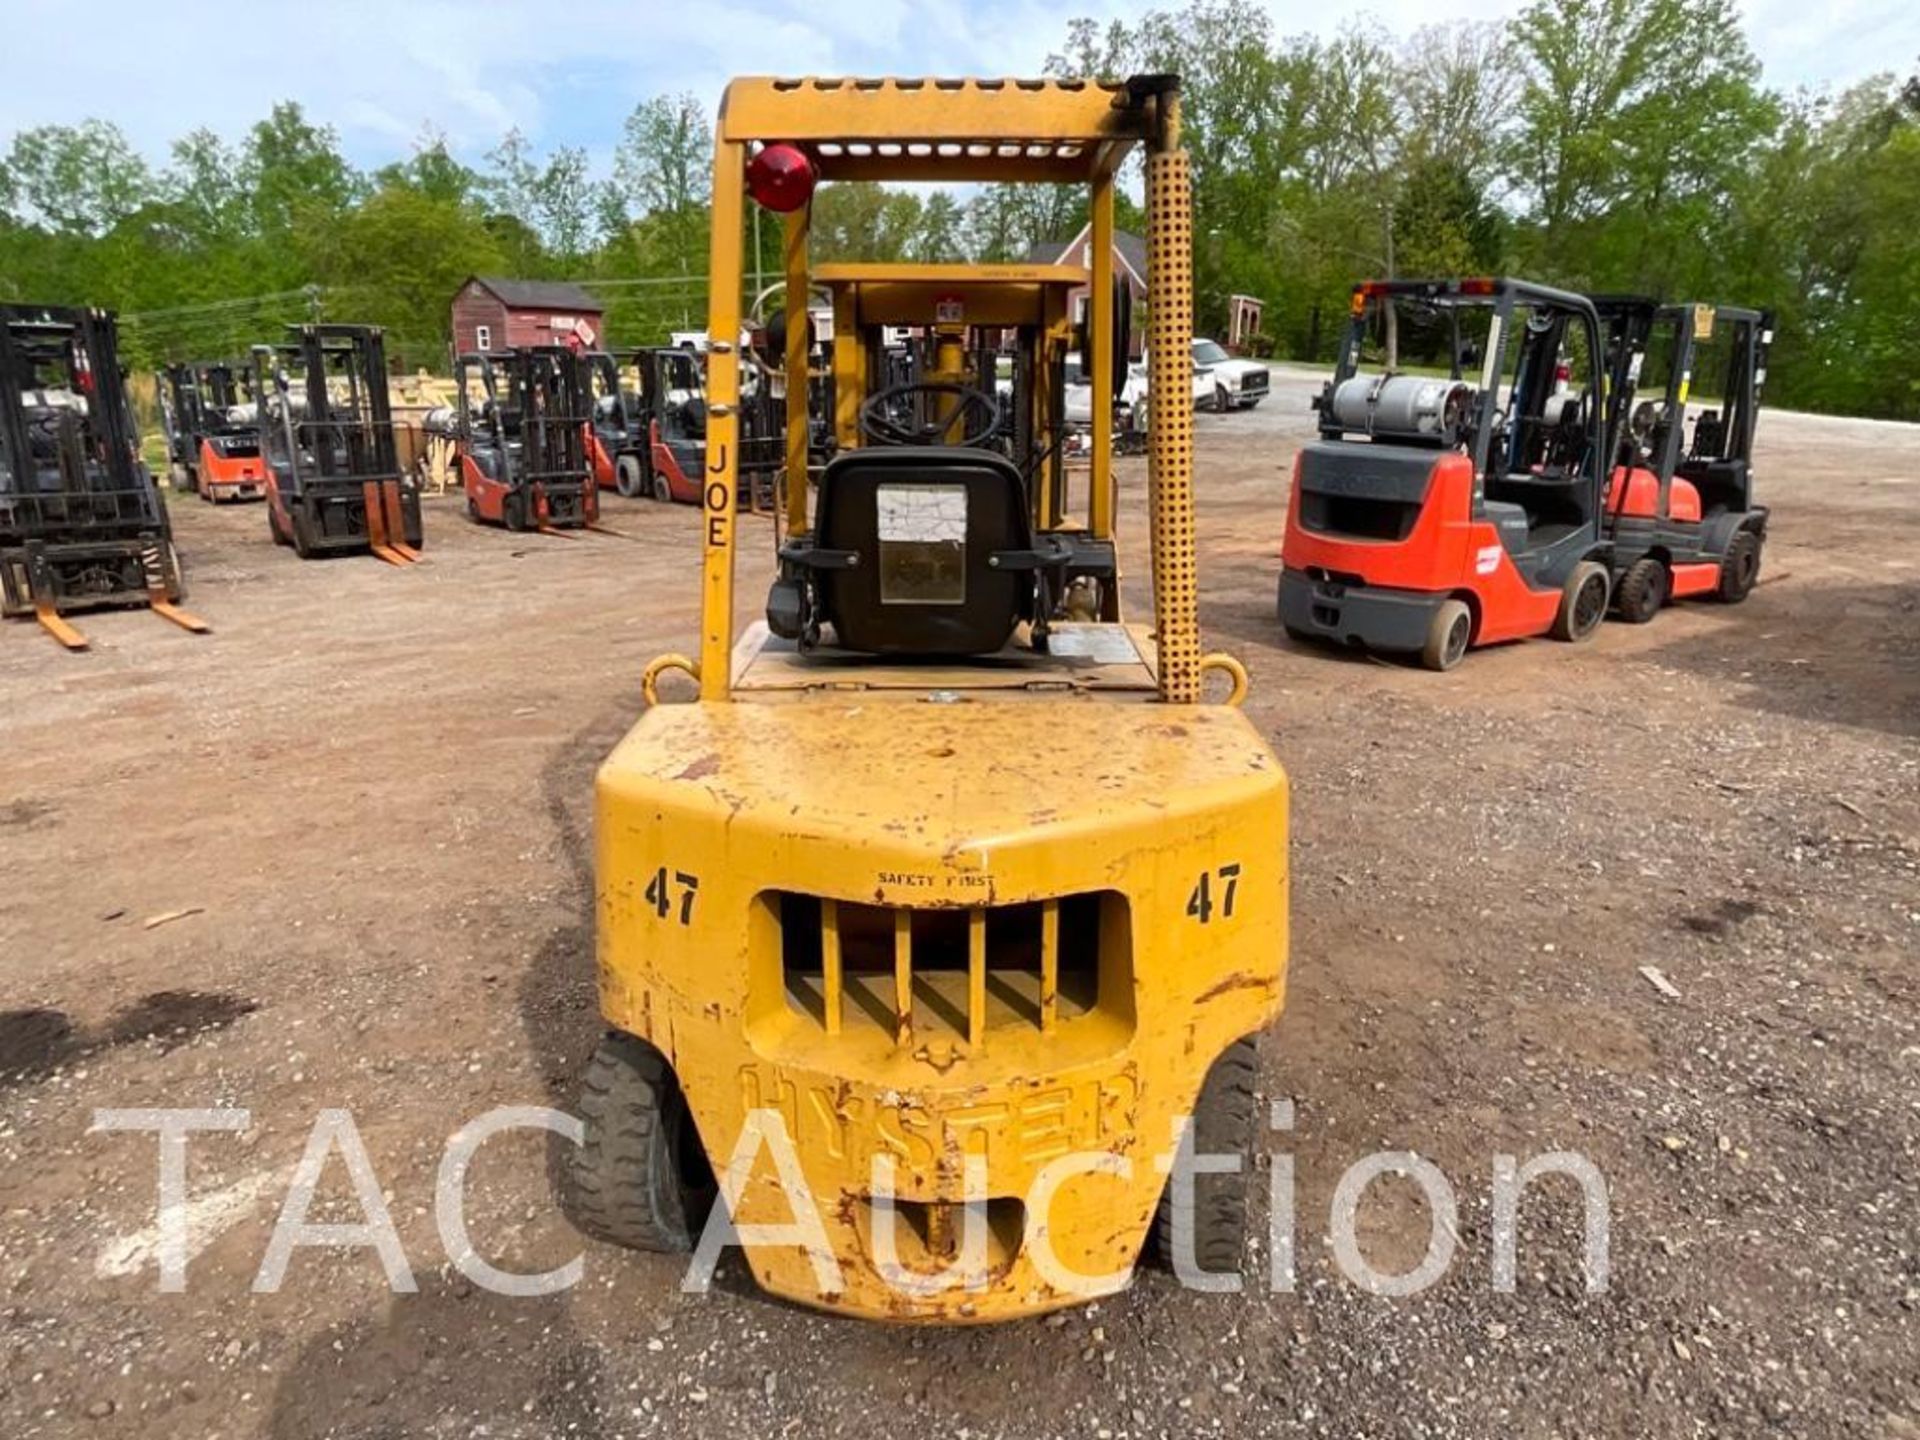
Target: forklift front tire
{"x":1641,"y":591}
{"x":1224,"y":1122}
{"x":302,"y":535}
{"x":1583,"y":603}
{"x":1739,"y":568}
{"x":628,"y":480}
{"x":1448,"y":635}
{"x":640,"y":1177}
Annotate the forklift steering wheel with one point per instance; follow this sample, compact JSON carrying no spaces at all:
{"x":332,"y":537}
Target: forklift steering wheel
{"x":878,"y":425}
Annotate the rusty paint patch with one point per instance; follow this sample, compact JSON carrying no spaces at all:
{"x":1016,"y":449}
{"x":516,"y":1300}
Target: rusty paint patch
{"x":700,"y":769}
{"x":1239,"y":980}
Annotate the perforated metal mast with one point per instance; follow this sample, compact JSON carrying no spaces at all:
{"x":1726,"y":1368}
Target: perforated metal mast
{"x":1170,"y":441}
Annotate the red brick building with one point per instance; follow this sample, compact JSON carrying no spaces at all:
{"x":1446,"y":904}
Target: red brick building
{"x":495,"y":314}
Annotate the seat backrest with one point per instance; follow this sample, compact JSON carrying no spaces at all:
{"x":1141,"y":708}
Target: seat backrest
{"x":924,"y":522}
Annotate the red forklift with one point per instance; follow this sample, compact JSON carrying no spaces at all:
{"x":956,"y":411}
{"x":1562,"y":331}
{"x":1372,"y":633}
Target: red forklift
{"x":334,"y":481}
{"x":1438,"y":513}
{"x":522,"y":423}
{"x":1679,"y":506}
{"x":672,"y":415}
{"x":617,"y":440}
{"x":213,"y":441}
{"x":83,"y":525}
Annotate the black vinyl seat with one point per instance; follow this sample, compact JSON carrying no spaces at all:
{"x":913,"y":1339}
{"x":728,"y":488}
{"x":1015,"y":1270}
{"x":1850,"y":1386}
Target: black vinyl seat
{"x":916,"y":550}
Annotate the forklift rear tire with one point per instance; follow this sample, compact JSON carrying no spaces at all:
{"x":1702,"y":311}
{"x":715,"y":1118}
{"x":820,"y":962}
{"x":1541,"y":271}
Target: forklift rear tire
{"x":1583,"y":602}
{"x":1641,"y":591}
{"x":1224,"y":1122}
{"x":1448,"y":635}
{"x":640,"y":1177}
{"x":1739,"y":568}
{"x":628,"y":479}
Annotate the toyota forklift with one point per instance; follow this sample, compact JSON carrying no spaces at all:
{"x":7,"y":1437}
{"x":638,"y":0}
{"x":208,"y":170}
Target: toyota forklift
{"x":83,"y":525}
{"x":334,"y":480}
{"x":523,"y":420}
{"x":1679,"y":506}
{"x":671,"y":421}
{"x":861,"y":947}
{"x":616,"y":438}
{"x":213,"y":440}
{"x":1438,"y":513}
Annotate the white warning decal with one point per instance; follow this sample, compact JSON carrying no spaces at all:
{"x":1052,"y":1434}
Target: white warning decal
{"x":1487,"y":560}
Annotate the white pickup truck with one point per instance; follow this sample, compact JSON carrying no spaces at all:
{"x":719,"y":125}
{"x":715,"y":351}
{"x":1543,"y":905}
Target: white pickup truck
{"x":1224,"y":383}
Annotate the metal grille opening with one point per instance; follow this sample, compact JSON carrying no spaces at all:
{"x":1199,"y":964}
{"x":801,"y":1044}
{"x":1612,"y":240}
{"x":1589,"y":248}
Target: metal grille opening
{"x":956,"y":974}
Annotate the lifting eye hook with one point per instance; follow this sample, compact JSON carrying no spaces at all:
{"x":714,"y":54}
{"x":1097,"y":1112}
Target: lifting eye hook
{"x":650,"y":678}
{"x":1236,"y":672}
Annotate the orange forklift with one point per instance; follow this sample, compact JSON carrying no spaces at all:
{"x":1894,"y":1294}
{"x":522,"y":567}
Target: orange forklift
{"x":1441,"y":511}
{"x":616,"y":437}
{"x":213,"y":443}
{"x":1679,"y":505}
{"x":523,"y":421}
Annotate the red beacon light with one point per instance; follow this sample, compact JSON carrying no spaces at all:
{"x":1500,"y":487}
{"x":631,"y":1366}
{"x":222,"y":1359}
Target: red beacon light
{"x":780,"y":178}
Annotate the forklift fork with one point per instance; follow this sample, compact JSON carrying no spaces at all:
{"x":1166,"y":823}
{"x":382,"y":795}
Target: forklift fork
{"x":51,"y":621}
{"x":386,"y":525}
{"x":167,"y":610}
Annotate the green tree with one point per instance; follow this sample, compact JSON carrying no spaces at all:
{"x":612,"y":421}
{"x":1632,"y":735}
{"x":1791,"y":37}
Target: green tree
{"x":77,"y":179}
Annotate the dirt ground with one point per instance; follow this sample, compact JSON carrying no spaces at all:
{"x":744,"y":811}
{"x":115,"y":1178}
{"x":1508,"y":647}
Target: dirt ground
{"x":371,"y":789}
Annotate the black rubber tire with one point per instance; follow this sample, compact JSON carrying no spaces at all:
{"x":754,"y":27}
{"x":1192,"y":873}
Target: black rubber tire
{"x":629,"y":477}
{"x":513,"y":511}
{"x":1449,"y":634}
{"x":640,"y":1178}
{"x":1739,"y":568}
{"x":658,"y":487}
{"x":1583,"y":602}
{"x":1222,"y":400}
{"x":1225,"y":1122}
{"x":280,"y":536}
{"x":1642,"y":591}
{"x":302,"y":536}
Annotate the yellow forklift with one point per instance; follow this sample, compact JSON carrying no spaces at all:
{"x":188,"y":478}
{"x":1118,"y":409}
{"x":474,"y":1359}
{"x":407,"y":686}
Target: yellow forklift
{"x":951,"y":906}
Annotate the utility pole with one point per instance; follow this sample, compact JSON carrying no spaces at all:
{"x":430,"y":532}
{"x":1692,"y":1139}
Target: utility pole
{"x":1393,"y":318}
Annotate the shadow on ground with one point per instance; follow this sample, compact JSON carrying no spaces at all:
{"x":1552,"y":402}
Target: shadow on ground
{"x":1870,"y":681}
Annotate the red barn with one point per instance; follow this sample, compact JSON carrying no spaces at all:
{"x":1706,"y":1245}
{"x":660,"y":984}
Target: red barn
{"x":494,"y":314}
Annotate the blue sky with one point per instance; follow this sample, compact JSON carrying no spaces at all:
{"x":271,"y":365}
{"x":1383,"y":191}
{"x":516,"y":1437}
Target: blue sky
{"x":567,"y":73}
